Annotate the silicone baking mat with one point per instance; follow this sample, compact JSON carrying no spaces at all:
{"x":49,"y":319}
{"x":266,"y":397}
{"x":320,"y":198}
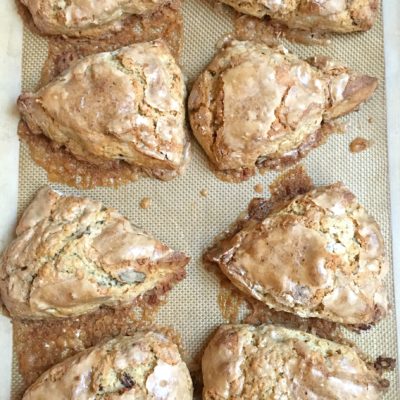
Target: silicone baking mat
{"x":186,"y":220}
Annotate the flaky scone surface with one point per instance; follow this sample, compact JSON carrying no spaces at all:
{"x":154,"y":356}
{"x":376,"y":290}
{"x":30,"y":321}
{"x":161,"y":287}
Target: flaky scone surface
{"x":255,"y":106}
{"x":146,"y":365}
{"x":340,"y":16}
{"x":85,"y":17}
{"x":272,"y":363}
{"x":73,"y":255}
{"x":126,"y":105}
{"x":318,"y":255}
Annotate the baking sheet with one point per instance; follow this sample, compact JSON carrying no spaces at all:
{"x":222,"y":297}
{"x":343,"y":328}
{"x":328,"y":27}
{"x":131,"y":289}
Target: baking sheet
{"x":180,"y":216}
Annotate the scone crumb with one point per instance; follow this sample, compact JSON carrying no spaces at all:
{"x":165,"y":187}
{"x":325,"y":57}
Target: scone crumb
{"x":359,"y":144}
{"x":258,"y":188}
{"x":145,"y":203}
{"x":204,"y":192}
{"x":370,"y":120}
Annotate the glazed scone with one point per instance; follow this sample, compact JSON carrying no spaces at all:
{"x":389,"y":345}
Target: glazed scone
{"x":144,"y":366}
{"x":317,"y":255}
{"x":125,"y":105}
{"x":340,"y":16}
{"x":73,"y":255}
{"x":260,"y":107}
{"x":270,"y":362}
{"x":85,"y":17}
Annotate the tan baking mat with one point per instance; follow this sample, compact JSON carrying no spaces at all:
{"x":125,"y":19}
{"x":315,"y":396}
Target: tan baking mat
{"x":184,"y":219}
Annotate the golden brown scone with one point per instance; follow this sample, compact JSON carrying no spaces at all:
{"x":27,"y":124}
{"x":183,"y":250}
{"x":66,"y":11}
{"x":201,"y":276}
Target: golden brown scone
{"x":258,"y":107}
{"x":86,"y":17}
{"x":270,"y":362}
{"x":124,"y":105}
{"x":73,"y":255}
{"x":340,"y":16}
{"x":144,"y":366}
{"x":317,"y":255}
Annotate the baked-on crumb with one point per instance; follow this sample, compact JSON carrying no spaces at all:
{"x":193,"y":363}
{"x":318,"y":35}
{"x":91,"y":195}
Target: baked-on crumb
{"x":258,"y":188}
{"x":272,"y":362}
{"x":257,"y":107}
{"x":72,"y":255}
{"x":145,"y":203}
{"x":359,"y":144}
{"x":146,"y":364}
{"x":204,"y":192}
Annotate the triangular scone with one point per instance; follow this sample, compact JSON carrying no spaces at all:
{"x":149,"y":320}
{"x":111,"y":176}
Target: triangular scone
{"x":340,"y":16}
{"x":146,"y":365}
{"x":73,"y":255}
{"x":126,"y":105}
{"x":269,"y":362}
{"x":85,"y":17}
{"x":318,"y":255}
{"x":256,"y":106}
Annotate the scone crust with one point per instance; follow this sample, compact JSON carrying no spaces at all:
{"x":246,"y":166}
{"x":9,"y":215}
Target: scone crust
{"x":271,"y":362}
{"x":126,"y":105}
{"x":146,"y":365}
{"x":341,"y":16}
{"x":255,"y":106}
{"x":85,"y":17}
{"x":73,"y":255}
{"x":318,"y":255}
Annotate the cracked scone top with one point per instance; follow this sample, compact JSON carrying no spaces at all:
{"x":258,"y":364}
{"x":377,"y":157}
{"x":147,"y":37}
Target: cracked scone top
{"x":256,"y":106}
{"x":340,"y":16}
{"x":317,"y":255}
{"x":85,"y":17}
{"x":271,"y":363}
{"x":126,"y":105}
{"x":146,"y":365}
{"x":73,"y":255}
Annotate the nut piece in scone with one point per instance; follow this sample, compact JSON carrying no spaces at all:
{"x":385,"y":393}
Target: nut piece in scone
{"x":317,"y":255}
{"x":256,"y":106}
{"x":126,"y":105}
{"x":146,"y":365}
{"x":270,"y":362}
{"x":73,"y":255}
{"x":340,"y":16}
{"x":85,"y":17}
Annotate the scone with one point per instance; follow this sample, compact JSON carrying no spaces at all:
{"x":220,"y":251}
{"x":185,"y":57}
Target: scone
{"x":340,"y":16}
{"x":86,"y":17}
{"x":73,"y":255}
{"x":256,"y":106}
{"x":317,"y":255}
{"x":272,"y":363}
{"x":146,"y":365}
{"x":122,"y":106}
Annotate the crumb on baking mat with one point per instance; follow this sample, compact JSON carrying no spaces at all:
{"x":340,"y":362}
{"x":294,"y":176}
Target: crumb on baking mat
{"x":359,"y":144}
{"x":204,"y":192}
{"x":259,"y":188}
{"x":145,"y":203}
